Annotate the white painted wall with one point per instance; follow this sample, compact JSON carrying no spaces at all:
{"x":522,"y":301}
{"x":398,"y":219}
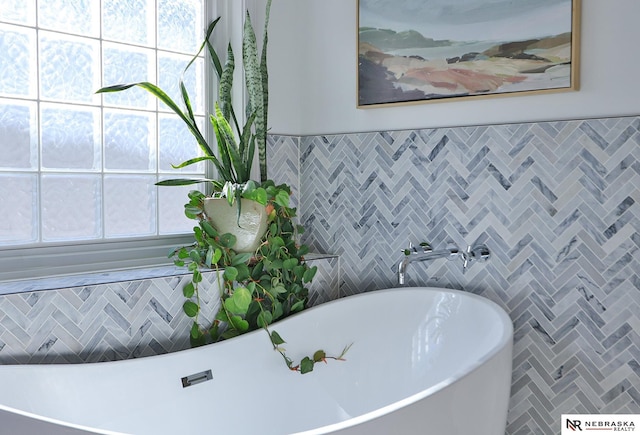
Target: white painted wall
{"x":313,"y":74}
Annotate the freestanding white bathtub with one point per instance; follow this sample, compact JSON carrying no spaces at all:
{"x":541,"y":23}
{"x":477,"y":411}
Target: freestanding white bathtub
{"x":423,"y":361}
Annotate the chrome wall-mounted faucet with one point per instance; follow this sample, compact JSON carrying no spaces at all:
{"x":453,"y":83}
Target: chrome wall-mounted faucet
{"x":451,"y":252}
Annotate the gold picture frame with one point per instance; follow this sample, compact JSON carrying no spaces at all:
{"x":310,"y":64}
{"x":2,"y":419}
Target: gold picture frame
{"x":439,"y":50}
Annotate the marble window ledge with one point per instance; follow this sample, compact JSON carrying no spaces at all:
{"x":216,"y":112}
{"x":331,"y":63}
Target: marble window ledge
{"x":105,"y":277}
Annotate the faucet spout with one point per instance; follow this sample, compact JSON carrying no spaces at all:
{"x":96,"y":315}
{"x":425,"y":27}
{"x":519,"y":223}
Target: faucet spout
{"x":410,"y":257}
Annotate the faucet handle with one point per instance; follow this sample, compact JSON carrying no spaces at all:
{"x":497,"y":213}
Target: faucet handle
{"x":467,"y":256}
{"x":475,"y":252}
{"x":480,"y":252}
{"x":409,"y":250}
{"x":426,"y":246}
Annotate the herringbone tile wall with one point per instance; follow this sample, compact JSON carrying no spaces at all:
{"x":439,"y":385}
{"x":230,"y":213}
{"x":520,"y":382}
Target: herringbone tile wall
{"x":99,"y":323}
{"x":116,"y":321}
{"x":135,"y":317}
{"x":558,"y":205}
{"x":556,"y":202}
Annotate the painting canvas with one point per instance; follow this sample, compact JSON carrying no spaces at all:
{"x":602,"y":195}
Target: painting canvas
{"x":425,"y":50}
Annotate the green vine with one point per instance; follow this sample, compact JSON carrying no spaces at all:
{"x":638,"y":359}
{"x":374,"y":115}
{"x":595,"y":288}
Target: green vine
{"x":257,"y":288}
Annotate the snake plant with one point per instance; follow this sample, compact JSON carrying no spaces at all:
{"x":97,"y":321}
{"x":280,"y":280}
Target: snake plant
{"x":235,"y":150}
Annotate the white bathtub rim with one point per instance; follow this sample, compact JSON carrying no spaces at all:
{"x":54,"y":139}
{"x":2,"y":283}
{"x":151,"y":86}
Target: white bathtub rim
{"x":502,"y":313}
{"x":504,"y":341}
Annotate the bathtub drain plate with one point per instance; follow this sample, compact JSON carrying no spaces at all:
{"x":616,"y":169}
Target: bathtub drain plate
{"x":196,"y":378}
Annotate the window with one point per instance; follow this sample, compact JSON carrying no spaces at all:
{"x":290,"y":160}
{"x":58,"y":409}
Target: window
{"x":78,"y":167}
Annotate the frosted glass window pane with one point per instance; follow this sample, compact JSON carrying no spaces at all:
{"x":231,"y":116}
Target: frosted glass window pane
{"x":76,"y":165}
{"x":177,"y":145}
{"x":129,"y":141}
{"x":170,"y":68}
{"x":180,"y":25}
{"x":70,"y":137}
{"x":17,"y":61}
{"x":69,"y":68}
{"x":130,"y":205}
{"x":18,"y":209}
{"x":81,"y":17}
{"x":71,"y":207}
{"x":124,"y":64}
{"x":128,"y":21}
{"x":18,"y":133}
{"x":171,"y":209}
{"x":18,"y":11}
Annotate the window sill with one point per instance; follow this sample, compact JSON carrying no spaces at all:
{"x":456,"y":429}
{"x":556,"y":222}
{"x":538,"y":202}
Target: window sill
{"x":105,"y":277}
{"x":89,"y":279}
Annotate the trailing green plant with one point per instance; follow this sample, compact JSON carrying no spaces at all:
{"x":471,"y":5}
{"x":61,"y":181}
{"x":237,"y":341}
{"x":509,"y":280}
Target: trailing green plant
{"x":257,"y":288}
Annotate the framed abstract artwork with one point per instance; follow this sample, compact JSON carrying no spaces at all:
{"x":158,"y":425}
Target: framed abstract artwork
{"x":413,"y":51}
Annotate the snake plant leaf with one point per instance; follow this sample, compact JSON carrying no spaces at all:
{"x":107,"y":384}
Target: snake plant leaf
{"x":166,"y":99}
{"x":226,"y":83}
{"x":262,"y":144}
{"x":215,"y":60}
{"x":253,"y":78}
{"x":183,"y":89}
{"x":250,"y":153}
{"x":248,"y":143}
{"x":232,"y":147}
{"x":187,"y":102}
{"x":195,"y":160}
{"x":230,"y":151}
{"x":188,"y":117}
{"x":226,"y":166}
{"x":182,"y":181}
{"x":222,"y":73}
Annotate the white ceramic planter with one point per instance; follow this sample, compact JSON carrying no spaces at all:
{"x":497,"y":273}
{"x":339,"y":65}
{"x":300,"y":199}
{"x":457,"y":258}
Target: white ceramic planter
{"x":224,"y":218}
